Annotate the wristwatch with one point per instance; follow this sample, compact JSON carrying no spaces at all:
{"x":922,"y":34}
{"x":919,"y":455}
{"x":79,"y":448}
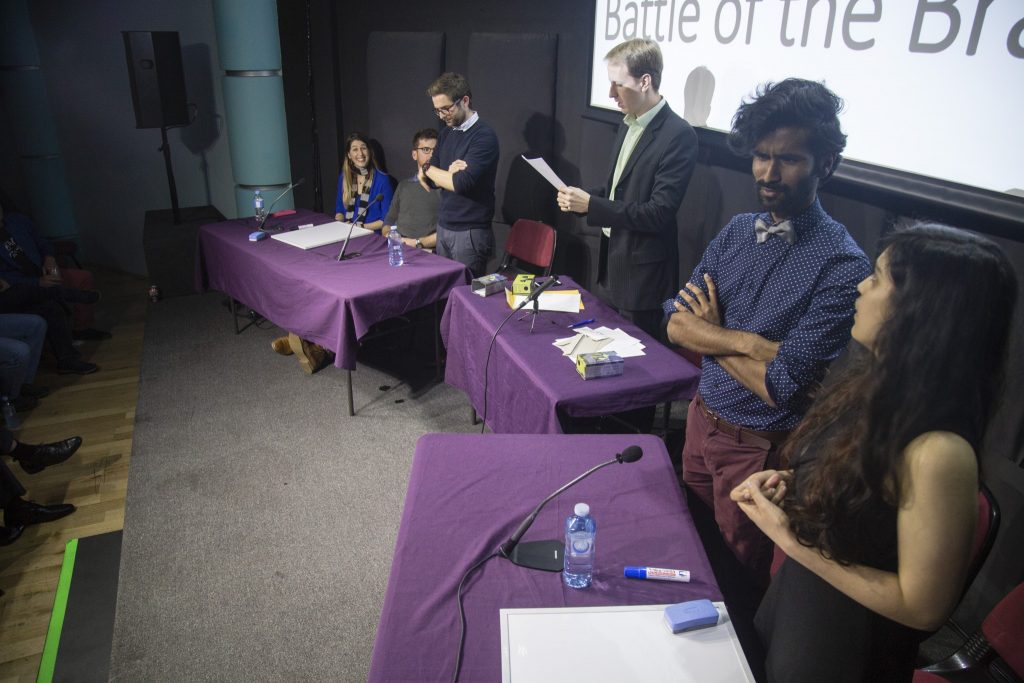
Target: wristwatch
{"x":419,"y":243}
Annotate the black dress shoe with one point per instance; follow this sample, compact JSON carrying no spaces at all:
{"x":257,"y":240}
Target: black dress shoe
{"x":34,"y":391}
{"x":76,"y":367}
{"x":90,"y":334}
{"x":10,"y":534}
{"x":25,"y":512}
{"x":46,"y":454}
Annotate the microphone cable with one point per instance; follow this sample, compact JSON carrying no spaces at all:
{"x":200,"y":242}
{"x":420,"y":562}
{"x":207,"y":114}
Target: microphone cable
{"x":462,"y":614}
{"x":490,"y":347}
{"x":487,"y":362}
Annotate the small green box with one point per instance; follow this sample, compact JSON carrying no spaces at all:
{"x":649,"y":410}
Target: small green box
{"x":599,"y":364}
{"x":523,"y":284}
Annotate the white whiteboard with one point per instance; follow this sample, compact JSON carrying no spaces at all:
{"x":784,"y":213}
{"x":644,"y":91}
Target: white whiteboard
{"x":614,"y":644}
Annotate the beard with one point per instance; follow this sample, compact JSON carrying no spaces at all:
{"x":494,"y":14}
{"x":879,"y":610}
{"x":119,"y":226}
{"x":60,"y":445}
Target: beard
{"x":787,"y":200}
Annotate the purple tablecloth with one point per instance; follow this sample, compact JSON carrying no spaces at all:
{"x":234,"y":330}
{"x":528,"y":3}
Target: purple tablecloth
{"x":467,"y":493}
{"x":530,"y":380}
{"x":309,"y":292}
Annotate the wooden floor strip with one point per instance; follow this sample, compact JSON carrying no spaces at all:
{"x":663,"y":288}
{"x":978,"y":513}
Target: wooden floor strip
{"x":100,"y":408}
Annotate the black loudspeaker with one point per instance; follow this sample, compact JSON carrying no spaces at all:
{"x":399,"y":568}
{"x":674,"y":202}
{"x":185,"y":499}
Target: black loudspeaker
{"x":157,"y":78}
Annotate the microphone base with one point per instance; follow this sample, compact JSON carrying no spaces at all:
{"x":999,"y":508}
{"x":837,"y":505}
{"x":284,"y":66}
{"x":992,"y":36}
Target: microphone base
{"x":543,"y":555}
{"x":346,"y":257}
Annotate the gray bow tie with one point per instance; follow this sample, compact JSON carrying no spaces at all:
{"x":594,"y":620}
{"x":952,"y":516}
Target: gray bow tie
{"x":784,"y":230}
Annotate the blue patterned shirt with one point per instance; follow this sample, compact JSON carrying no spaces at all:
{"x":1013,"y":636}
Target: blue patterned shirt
{"x":800,"y":295}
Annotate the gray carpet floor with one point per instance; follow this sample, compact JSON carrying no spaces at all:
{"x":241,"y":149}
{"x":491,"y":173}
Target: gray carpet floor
{"x":261,"y":518}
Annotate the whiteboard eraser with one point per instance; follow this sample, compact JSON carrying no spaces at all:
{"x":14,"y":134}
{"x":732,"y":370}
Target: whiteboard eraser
{"x":693,"y":614}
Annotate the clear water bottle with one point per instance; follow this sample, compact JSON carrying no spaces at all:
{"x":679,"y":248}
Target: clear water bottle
{"x":580,"y":534}
{"x":11,"y":420}
{"x":395,"y":255}
{"x":257,"y":205}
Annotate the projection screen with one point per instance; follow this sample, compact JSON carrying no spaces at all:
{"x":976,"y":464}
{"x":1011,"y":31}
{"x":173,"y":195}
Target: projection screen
{"x":932,"y":87}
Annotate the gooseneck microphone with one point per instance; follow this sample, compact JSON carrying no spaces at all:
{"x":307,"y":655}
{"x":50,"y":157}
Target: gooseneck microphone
{"x":286,"y":190}
{"x":547,"y":555}
{"x":361,"y":218}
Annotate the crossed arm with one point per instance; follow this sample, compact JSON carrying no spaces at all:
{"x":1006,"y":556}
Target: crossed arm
{"x":744,"y":355}
{"x":440,"y":177}
{"x":934,"y":526}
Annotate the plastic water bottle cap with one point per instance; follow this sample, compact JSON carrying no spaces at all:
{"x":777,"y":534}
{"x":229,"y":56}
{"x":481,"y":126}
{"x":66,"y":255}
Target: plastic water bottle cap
{"x":581,"y":509}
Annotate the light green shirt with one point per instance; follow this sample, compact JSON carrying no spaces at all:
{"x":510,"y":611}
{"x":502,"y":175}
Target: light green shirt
{"x":635,"y":128}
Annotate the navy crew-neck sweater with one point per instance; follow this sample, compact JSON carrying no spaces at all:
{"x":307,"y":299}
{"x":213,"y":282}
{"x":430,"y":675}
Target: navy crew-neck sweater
{"x":472,"y":203}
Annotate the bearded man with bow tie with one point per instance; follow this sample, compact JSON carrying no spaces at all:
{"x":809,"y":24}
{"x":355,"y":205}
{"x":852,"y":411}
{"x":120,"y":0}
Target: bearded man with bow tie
{"x":769,"y":306}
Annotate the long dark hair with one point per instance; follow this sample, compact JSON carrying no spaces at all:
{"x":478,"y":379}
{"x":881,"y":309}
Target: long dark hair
{"x":937,"y":363}
{"x":349,"y":170}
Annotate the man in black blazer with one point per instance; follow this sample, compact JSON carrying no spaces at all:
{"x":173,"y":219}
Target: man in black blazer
{"x":651,"y":164}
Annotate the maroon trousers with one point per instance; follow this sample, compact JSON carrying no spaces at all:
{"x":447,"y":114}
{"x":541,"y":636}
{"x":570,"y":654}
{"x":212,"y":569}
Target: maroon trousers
{"x":715,"y":463}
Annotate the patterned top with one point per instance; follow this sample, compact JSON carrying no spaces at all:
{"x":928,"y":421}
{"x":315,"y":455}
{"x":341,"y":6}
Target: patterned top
{"x":800,"y":295}
{"x":381,"y":185}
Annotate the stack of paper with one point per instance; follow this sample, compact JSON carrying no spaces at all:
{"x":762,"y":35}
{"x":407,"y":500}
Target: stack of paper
{"x":564,"y":300}
{"x":589,"y":340}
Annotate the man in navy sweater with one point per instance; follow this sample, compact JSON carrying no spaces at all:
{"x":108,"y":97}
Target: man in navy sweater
{"x":463,"y":166}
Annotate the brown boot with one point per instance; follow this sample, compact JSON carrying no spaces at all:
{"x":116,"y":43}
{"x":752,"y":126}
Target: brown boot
{"x":312,"y":357}
{"x":281,"y":346}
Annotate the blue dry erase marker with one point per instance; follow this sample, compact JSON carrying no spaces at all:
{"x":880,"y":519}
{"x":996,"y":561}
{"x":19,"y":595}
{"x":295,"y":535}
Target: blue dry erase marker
{"x":657,"y":574}
{"x":582,"y":323}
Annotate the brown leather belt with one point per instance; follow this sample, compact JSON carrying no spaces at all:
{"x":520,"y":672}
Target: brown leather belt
{"x":751,"y":437}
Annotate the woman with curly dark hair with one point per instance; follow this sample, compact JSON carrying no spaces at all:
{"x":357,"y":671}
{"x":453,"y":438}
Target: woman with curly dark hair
{"x":877,"y":514}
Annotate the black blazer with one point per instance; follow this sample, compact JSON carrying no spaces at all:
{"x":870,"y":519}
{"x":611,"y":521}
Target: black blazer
{"x":640,"y":263}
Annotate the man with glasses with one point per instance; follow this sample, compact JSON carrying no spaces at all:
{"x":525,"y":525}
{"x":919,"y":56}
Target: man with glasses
{"x":650,"y":167}
{"x":464,"y":165}
{"x":414,"y":207}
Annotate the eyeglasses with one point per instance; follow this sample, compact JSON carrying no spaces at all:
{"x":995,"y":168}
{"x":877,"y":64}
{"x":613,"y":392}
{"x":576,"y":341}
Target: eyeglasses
{"x":444,"y":111}
{"x":425,"y":150}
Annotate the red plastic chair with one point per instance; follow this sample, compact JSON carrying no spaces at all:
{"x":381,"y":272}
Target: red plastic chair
{"x":531,"y":242}
{"x":1001,"y":637}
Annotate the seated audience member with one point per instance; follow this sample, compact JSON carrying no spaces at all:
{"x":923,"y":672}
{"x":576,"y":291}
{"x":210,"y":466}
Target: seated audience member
{"x":359,"y":183}
{"x":21,"y":343}
{"x":18,"y":512}
{"x":51,"y":304}
{"x":26,"y":258}
{"x":878,"y":510}
{"x":414,"y":207}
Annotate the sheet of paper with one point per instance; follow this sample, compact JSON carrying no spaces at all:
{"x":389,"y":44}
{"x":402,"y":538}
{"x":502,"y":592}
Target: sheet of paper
{"x":562,"y":300}
{"x":542,"y":167}
{"x":621,"y":342}
{"x":623,"y":643}
{"x":581,"y":343}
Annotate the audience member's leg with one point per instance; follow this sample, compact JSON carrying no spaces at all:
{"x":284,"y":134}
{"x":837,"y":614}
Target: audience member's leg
{"x":15,"y":356}
{"x":58,"y":334}
{"x":30,"y":330}
{"x":83,"y":315}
